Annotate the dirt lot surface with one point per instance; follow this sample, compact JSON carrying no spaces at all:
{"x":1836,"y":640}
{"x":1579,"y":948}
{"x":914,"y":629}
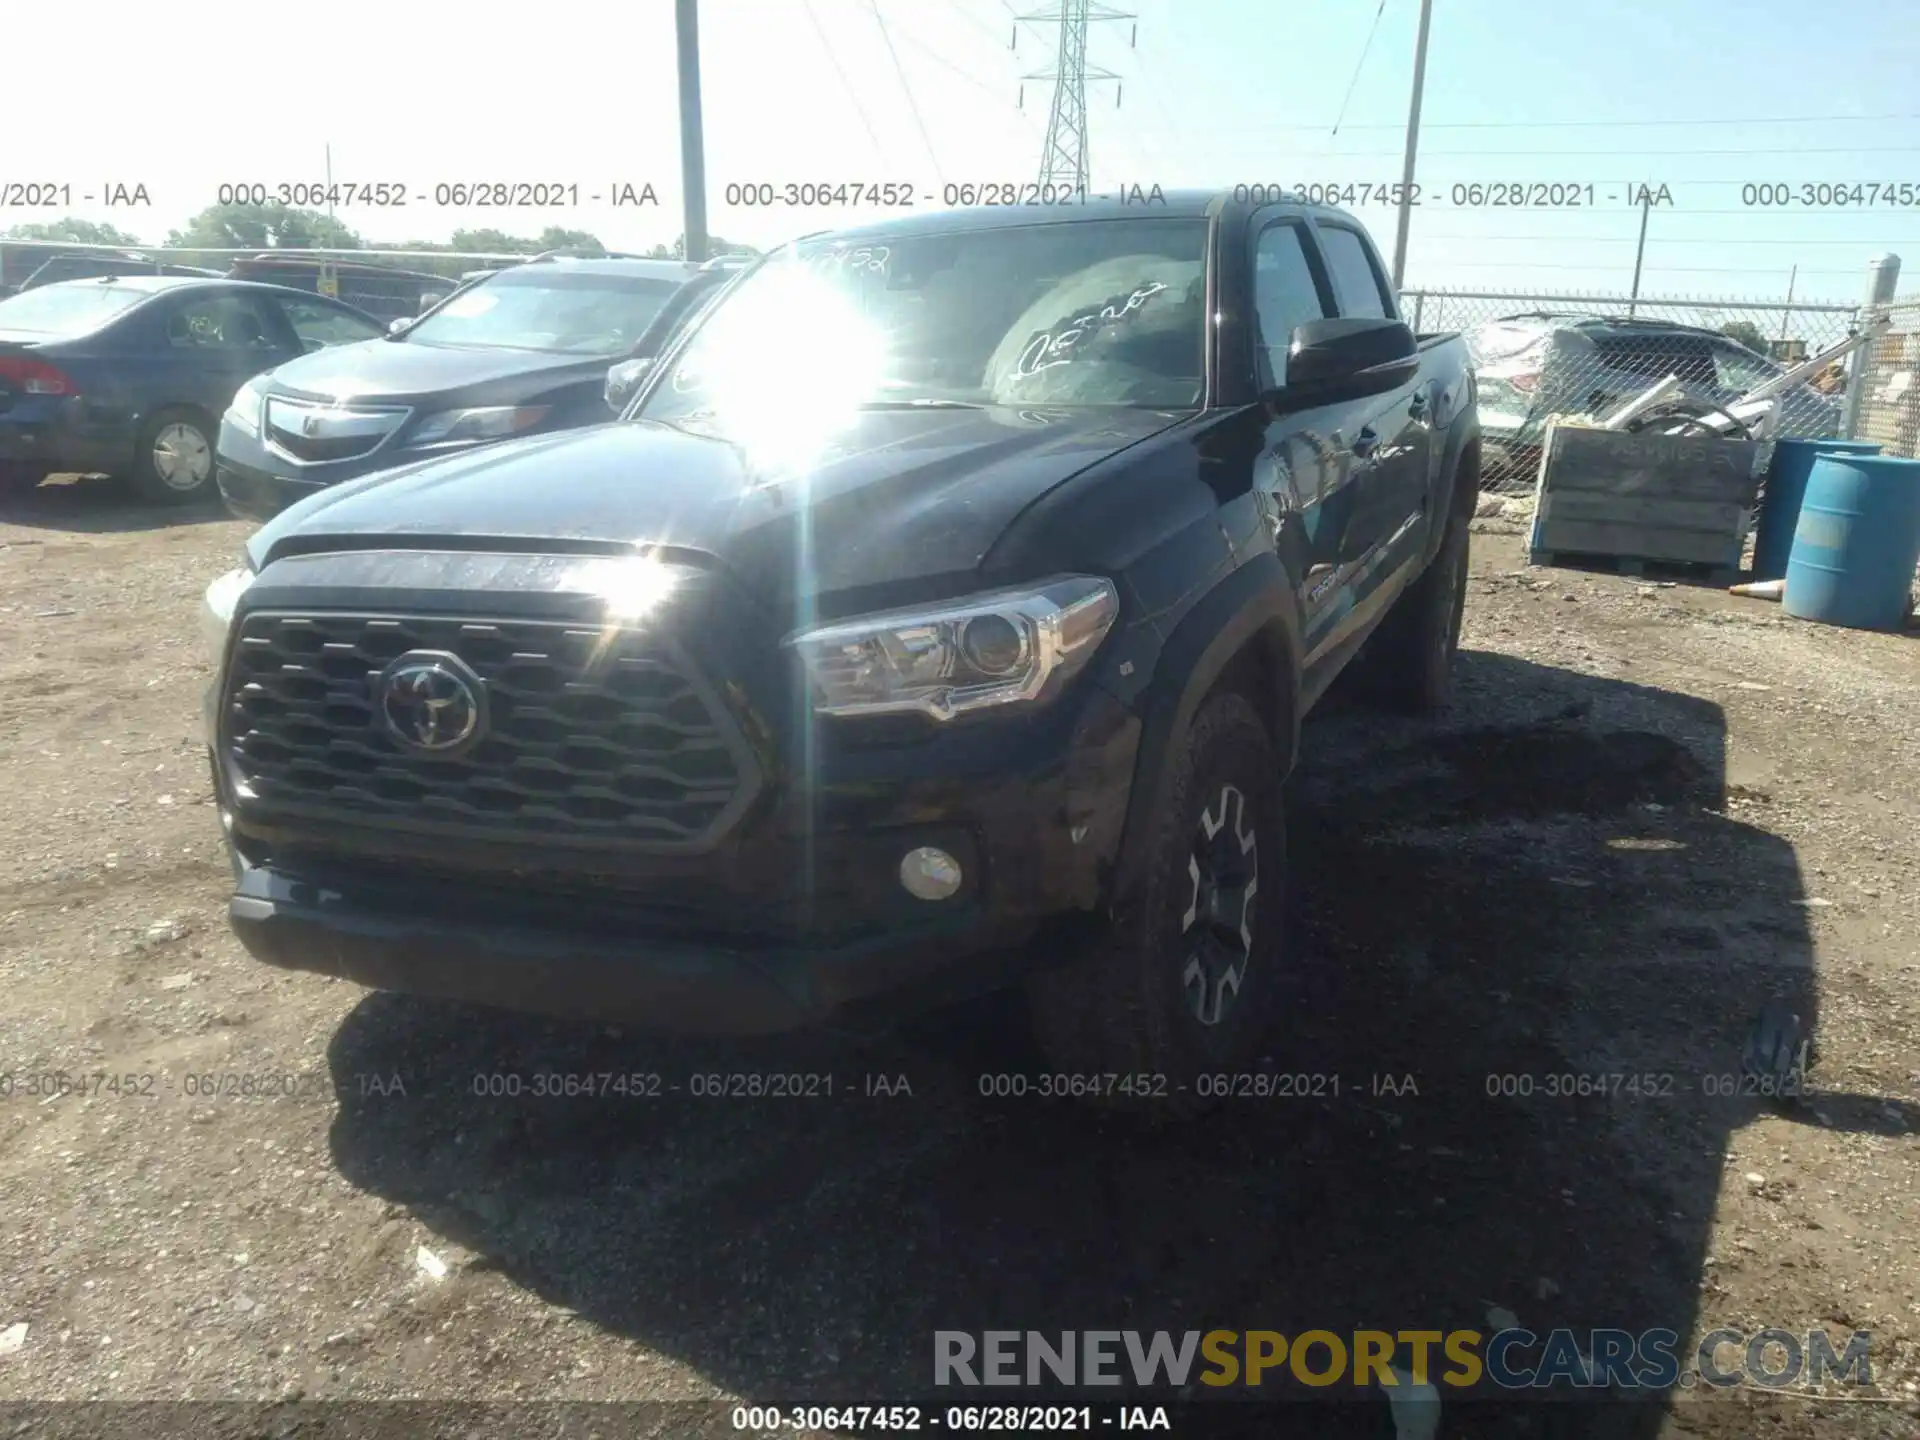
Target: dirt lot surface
{"x":1653,"y":809}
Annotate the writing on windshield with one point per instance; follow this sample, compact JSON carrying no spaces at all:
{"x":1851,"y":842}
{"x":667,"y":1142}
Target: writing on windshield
{"x":1056,"y":347}
{"x":1095,"y":312}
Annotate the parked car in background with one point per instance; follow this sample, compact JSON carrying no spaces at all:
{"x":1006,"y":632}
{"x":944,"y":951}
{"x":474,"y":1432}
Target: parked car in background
{"x":94,"y":265}
{"x":129,"y":374}
{"x":1544,"y":363}
{"x":380,"y":290}
{"x":20,"y":258}
{"x":520,"y":352}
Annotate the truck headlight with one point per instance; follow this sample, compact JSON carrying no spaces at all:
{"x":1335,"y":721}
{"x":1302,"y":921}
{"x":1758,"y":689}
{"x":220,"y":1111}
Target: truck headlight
{"x":1006,"y":647}
{"x":470,"y":427}
{"x":244,"y":413}
{"x":216,"y":611}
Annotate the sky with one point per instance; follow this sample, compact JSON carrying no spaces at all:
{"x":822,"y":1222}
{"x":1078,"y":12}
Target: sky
{"x":1704,"y":97}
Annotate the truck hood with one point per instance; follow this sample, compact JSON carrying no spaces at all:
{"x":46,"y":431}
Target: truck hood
{"x":402,"y":370}
{"x":903,"y":496}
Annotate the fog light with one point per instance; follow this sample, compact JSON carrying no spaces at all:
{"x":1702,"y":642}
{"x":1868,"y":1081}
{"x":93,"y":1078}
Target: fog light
{"x":929,"y":874}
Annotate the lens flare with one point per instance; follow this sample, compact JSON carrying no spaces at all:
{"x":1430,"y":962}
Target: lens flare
{"x":786,"y":366}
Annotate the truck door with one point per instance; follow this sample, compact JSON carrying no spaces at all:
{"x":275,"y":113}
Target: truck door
{"x":1390,"y":435}
{"x":1302,"y":475}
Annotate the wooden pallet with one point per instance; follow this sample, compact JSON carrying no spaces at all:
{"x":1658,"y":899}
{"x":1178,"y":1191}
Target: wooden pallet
{"x":1644,"y":504}
{"x":1693,"y":572}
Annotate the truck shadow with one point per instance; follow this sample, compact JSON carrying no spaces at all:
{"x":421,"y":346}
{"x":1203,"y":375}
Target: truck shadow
{"x":1549,"y":887}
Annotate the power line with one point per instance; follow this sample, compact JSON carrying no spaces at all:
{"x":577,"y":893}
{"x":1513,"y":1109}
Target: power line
{"x":971,"y":19}
{"x":912,"y":104}
{"x":941,"y":60}
{"x":846,"y":84}
{"x":1605,"y":124}
{"x":1360,"y":65}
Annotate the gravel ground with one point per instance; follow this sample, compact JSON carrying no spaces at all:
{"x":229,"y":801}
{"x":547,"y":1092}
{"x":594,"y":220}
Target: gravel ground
{"x":1654,"y":808}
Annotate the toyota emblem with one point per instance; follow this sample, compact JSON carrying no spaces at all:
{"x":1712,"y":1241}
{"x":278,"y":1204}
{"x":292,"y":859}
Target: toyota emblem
{"x":432,"y":701}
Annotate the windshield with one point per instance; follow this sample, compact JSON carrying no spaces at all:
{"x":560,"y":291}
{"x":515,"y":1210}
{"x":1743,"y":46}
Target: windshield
{"x":543,"y":307}
{"x":1086,"y":313}
{"x":66,"y":309}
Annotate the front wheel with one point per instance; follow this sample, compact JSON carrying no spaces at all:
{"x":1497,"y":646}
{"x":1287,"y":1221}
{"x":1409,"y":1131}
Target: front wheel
{"x":173,"y":459}
{"x":1181,"y":989}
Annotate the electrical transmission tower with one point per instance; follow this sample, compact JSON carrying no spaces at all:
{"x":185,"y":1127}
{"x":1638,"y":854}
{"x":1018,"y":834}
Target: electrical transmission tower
{"x":1063,"y":161}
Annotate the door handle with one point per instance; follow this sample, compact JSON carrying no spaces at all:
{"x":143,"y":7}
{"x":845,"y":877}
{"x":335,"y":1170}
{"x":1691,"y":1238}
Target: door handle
{"x":1417,"y":406}
{"x":1366,"y":442}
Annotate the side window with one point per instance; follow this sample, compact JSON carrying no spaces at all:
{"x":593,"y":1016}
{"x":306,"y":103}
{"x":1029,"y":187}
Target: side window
{"x":1357,"y":281}
{"x":220,"y":322}
{"x":1285,"y":295}
{"x":319,"y":326}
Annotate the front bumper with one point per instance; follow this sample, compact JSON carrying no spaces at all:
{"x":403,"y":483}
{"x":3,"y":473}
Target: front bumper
{"x":258,"y":484}
{"x":798,"y":920}
{"x":588,"y":973}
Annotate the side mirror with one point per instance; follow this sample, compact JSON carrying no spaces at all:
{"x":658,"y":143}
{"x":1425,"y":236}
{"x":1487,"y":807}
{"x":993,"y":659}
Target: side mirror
{"x":1346,"y":359}
{"x":623,"y":379}
{"x":399,"y":326}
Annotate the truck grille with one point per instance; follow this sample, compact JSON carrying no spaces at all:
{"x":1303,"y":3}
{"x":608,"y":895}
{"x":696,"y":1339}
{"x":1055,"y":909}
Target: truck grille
{"x":313,"y":433}
{"x":591,"y":735}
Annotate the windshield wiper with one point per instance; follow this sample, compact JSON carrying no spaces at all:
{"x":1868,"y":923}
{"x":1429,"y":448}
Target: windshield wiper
{"x":921,"y":405}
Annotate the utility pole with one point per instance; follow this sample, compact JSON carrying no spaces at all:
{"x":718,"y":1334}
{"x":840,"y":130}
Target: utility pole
{"x":1640,"y":251}
{"x":1063,"y":160}
{"x":1883,"y":280}
{"x":693,"y":154}
{"x":1413,"y":146}
{"x":1786,"y":310}
{"x":329,"y":273}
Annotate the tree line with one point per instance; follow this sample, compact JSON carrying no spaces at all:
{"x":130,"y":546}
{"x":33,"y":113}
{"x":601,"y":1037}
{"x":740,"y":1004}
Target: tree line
{"x":267,"y":227}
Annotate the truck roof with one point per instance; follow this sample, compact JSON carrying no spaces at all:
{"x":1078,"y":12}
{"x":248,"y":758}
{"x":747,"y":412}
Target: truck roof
{"x":1163,"y":205}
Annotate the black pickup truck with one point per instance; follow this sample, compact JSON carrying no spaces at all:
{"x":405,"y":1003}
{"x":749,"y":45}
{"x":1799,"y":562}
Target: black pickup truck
{"x":939,"y":617}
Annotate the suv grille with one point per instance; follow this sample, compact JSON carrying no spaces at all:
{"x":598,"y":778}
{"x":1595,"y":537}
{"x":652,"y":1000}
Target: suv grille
{"x":591,"y":735}
{"x":314,"y":433}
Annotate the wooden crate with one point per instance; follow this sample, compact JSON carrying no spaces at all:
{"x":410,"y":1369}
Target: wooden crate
{"x":1603,"y":495}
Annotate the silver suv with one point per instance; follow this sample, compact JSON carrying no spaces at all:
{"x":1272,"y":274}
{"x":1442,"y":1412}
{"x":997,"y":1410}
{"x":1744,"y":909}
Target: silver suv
{"x":1536,"y":365}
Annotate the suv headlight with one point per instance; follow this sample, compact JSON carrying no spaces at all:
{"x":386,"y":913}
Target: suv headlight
{"x":1006,"y":647}
{"x":216,"y":611}
{"x":469,"y":427}
{"x":244,"y":413}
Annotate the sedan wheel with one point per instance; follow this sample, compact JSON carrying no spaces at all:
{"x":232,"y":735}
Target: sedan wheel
{"x":181,"y":457}
{"x":173,"y":461}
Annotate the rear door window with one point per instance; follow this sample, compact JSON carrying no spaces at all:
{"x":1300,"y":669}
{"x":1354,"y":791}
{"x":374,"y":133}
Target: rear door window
{"x":1357,"y":281}
{"x":221,"y":322}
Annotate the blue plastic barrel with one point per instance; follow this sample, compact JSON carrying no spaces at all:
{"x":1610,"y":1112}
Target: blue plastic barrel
{"x":1857,"y":543}
{"x":1786,"y":488}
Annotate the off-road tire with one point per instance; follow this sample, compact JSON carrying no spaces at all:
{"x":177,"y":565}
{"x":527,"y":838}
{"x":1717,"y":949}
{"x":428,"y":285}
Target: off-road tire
{"x":1408,"y":662}
{"x":1127,"y":1007}
{"x":145,"y":474}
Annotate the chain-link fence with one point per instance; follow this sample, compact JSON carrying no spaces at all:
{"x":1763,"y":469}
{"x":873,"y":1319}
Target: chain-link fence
{"x":1890,"y":403}
{"x":1542,"y":356}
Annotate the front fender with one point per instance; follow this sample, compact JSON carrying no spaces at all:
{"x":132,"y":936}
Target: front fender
{"x":1252,"y":607}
